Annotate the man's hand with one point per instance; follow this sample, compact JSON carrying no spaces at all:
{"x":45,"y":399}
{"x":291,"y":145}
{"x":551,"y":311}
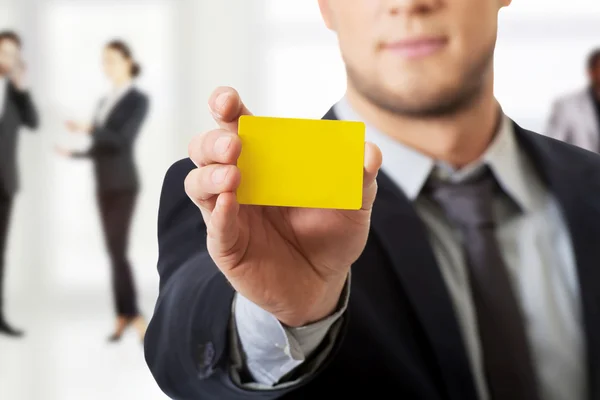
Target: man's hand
{"x":291,"y":262}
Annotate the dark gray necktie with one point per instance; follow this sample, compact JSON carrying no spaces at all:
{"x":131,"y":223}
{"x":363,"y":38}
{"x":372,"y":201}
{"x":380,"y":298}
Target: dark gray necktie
{"x":506,"y":355}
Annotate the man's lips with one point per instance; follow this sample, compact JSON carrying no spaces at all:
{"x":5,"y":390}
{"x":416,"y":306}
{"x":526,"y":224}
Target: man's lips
{"x":416,"y":48}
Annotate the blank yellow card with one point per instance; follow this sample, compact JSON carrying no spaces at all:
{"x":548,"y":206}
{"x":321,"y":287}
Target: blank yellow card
{"x":301,"y":163}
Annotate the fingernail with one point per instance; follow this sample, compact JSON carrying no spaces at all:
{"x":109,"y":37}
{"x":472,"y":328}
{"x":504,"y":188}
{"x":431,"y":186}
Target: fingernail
{"x":220,"y":103}
{"x":219,"y":175}
{"x":222,"y":144}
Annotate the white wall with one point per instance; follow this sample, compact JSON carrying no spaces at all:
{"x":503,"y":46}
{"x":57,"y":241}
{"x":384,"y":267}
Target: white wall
{"x":57,"y":268}
{"x":7,"y":16}
{"x":283,"y":61}
{"x":276,"y":52}
{"x":542,"y":48}
{"x":56,"y":242}
{"x":72,"y":60}
{"x":541,"y":54}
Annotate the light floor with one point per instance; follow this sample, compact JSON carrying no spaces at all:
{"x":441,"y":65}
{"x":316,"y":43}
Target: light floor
{"x":65,"y":355}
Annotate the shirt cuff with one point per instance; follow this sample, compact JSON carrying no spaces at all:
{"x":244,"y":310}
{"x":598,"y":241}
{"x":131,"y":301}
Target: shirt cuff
{"x":272,"y":350}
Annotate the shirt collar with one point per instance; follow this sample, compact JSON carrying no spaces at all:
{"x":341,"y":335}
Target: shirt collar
{"x":122,"y":90}
{"x":410,"y":169}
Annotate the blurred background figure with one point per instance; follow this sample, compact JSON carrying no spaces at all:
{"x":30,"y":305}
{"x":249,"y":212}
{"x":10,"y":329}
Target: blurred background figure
{"x":16,"y":110}
{"x":114,"y":130}
{"x":575,"y":118}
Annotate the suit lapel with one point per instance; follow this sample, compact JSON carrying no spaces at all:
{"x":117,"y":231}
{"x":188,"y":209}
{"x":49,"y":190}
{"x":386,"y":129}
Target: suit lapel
{"x":404,"y":237}
{"x":115,"y":108}
{"x":400,"y":230}
{"x":577,"y":189}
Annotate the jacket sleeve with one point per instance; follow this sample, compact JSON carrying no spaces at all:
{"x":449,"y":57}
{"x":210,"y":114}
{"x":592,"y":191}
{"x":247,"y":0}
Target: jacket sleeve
{"x":107,"y":141}
{"x":187,"y":346}
{"x":27,"y":111}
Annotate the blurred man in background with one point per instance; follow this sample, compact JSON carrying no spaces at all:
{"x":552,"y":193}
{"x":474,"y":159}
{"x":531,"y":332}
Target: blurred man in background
{"x":575,"y":119}
{"x":16,"y":110}
{"x":474,"y":269}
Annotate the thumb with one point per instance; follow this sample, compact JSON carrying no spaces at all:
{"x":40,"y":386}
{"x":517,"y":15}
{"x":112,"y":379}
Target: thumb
{"x":227,"y":107}
{"x":373,"y":160}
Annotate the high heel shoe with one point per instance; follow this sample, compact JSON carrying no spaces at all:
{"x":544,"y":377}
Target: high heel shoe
{"x":115,"y":337}
{"x":123,"y":323}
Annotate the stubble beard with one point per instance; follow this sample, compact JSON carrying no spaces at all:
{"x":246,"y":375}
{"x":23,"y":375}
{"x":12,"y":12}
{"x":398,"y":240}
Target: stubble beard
{"x":449,"y":102}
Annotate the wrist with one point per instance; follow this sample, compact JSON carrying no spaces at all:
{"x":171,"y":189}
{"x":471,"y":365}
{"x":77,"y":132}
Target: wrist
{"x":324,"y":307}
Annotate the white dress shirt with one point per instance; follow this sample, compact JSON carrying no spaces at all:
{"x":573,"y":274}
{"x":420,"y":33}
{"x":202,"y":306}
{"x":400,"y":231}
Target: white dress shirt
{"x":109,"y":103}
{"x":3,"y":89}
{"x":535,"y":243}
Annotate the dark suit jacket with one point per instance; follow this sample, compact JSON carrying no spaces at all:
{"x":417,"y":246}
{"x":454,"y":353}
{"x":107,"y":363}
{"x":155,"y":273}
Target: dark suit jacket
{"x":112,"y":148}
{"x":400,"y":333}
{"x":18,"y":111}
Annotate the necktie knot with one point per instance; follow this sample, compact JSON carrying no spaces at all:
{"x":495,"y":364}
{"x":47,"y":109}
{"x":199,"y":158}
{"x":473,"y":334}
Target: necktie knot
{"x":469,"y":204}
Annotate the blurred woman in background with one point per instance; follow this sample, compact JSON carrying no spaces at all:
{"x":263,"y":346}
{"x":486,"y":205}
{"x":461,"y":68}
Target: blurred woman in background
{"x":114,"y":130}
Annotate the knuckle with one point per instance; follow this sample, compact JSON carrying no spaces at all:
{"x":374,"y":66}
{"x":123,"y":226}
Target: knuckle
{"x":197,"y":186}
{"x":210,"y":138}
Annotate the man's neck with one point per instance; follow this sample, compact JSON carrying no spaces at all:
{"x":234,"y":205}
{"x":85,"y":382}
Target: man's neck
{"x":457,"y":140}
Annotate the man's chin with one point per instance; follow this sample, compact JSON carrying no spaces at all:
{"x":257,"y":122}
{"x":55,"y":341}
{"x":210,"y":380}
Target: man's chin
{"x":420,"y":104}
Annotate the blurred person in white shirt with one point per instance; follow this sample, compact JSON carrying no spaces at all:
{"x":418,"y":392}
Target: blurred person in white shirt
{"x":575,"y":118}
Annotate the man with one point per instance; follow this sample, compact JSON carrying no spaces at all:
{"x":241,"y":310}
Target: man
{"x":16,"y":110}
{"x":474,"y":270}
{"x":575,"y":119}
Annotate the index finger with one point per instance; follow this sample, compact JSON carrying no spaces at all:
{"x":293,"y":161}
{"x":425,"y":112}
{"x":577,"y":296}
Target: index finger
{"x":227,"y":107}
